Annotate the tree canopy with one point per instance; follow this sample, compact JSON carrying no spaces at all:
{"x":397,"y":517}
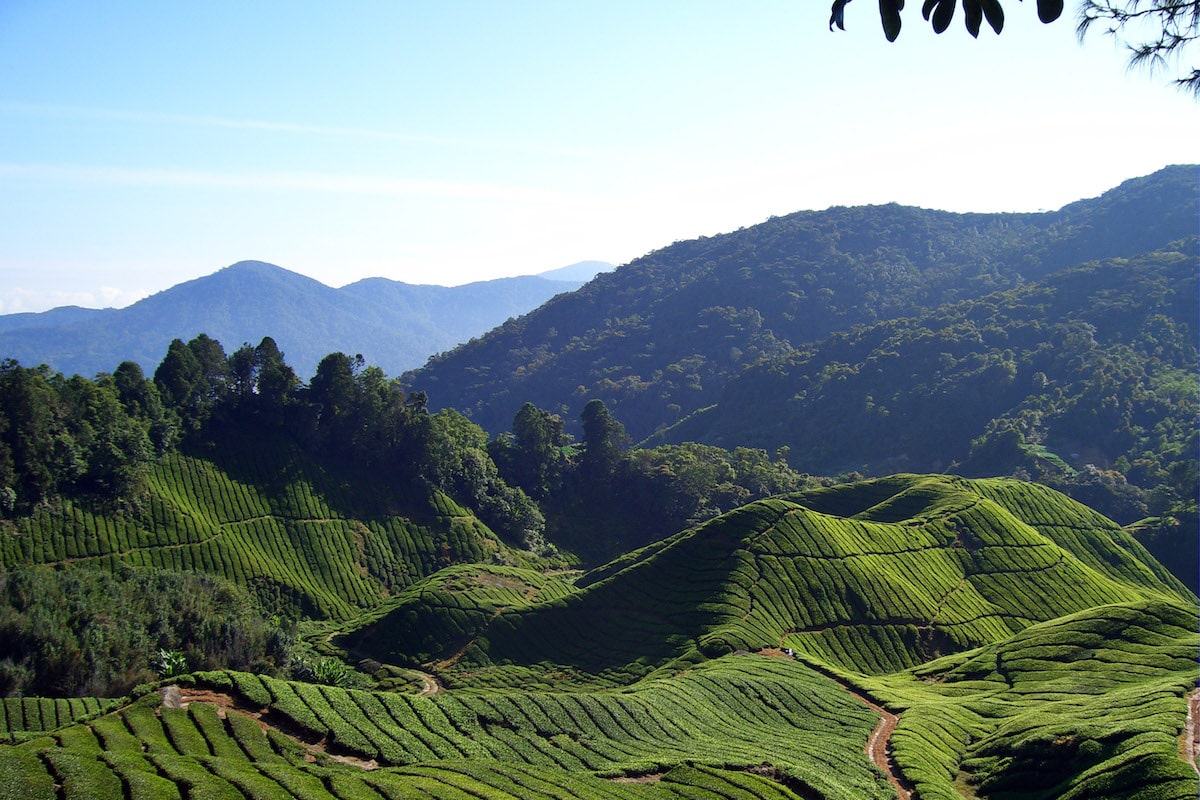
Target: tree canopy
{"x":1154,"y":31}
{"x":940,"y":13}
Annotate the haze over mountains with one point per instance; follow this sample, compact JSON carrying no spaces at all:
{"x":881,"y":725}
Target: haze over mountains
{"x":394,"y":325}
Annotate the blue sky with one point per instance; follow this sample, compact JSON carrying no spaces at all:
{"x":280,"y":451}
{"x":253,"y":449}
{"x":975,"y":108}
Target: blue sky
{"x":147,"y":143}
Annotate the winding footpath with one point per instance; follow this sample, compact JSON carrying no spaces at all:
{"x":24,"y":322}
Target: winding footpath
{"x":430,"y":685}
{"x":877,"y":746}
{"x":1189,"y":740}
{"x":878,"y":743}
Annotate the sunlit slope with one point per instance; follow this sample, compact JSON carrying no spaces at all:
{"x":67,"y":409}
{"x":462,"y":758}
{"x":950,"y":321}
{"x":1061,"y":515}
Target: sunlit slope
{"x":22,"y":717}
{"x":737,"y":727}
{"x":871,"y":577}
{"x":446,"y":610}
{"x":267,"y":517}
{"x":1090,"y":705}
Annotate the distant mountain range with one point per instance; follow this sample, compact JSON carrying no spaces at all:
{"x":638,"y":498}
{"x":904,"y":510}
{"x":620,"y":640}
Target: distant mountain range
{"x":394,"y":325}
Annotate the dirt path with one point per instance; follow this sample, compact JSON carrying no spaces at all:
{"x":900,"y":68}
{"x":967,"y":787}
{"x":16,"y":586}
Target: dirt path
{"x":1189,"y":740}
{"x":180,"y":697}
{"x":453,"y":658}
{"x":429,"y":684}
{"x":878,"y":744}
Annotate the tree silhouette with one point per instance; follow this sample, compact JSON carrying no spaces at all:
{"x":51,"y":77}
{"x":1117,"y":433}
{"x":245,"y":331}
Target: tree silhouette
{"x":939,"y":13}
{"x":1154,"y":31}
{"x":1163,"y":29}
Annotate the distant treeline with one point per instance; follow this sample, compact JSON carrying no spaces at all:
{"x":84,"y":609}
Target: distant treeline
{"x":93,"y":439}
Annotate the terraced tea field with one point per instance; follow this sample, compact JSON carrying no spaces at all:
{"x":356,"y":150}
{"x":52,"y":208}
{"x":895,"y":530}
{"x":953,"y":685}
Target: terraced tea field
{"x":742,"y":726}
{"x":876,"y":577}
{"x":290,"y":534}
{"x":1021,"y":645}
{"x":1088,"y":705}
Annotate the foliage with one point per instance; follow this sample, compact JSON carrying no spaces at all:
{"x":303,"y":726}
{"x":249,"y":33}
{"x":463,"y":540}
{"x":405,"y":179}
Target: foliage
{"x":939,"y":13}
{"x":96,"y":440}
{"x":535,"y":456}
{"x":78,"y":632}
{"x":73,"y":436}
{"x":603,"y":440}
{"x":604,"y":499}
{"x":1153,"y":31}
{"x":170,"y":663}
{"x":1094,"y":365}
{"x":326,"y":670}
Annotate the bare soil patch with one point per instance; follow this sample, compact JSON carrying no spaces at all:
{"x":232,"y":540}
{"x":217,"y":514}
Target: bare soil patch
{"x":430,"y":685}
{"x":653,"y":777}
{"x":181,"y":697}
{"x":1189,"y":740}
{"x":773,"y":652}
{"x":879,"y":748}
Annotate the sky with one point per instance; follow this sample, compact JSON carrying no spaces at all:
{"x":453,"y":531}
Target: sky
{"x":143,"y":144}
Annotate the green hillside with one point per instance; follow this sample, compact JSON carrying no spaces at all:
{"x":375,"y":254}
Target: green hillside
{"x":450,"y":607}
{"x":748,"y":727}
{"x":1022,"y":645}
{"x":1086,"y":706}
{"x":267,"y":517}
{"x":871,"y":577}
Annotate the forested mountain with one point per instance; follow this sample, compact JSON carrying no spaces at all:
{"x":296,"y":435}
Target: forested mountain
{"x":660,"y":337}
{"x":394,"y":325}
{"x":1093,"y":365}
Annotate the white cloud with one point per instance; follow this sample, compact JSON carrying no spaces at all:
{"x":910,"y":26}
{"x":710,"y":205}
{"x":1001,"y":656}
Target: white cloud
{"x":16,"y":301}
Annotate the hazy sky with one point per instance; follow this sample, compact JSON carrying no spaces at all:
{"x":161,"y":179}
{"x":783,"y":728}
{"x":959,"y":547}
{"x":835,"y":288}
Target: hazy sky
{"x":444,"y":141}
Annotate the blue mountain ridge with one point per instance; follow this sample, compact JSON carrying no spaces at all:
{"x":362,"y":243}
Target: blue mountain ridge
{"x":394,"y":325}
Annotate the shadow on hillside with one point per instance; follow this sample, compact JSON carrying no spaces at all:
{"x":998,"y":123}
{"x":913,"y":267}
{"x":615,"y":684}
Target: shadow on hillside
{"x":277,"y":465}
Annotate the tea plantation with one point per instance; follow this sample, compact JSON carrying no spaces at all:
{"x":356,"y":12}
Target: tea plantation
{"x":1029,"y":647}
{"x":271,"y":519}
